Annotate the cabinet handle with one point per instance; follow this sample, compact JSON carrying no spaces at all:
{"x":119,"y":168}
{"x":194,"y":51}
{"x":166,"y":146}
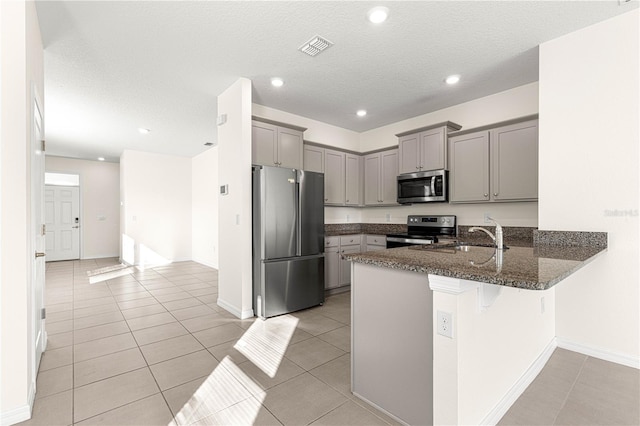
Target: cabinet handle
{"x":347,"y":201}
{"x":486,"y":195}
{"x":326,"y":199}
{"x":495,"y":194}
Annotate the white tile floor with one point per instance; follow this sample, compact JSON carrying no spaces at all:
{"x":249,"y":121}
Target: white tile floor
{"x":152,"y":348}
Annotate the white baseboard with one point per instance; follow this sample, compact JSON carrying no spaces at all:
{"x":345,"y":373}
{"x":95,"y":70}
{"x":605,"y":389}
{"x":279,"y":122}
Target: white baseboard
{"x":604,"y":354}
{"x":205,"y":263}
{"x":248,"y":313}
{"x":377,"y":407}
{"x":19,"y":414}
{"x":519,"y":386}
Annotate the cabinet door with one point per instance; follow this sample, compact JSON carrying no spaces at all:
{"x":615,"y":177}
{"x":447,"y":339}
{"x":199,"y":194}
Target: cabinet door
{"x":408,"y":147}
{"x":389,"y":177}
{"x":333,"y":177}
{"x":353,"y":180}
{"x":264,"y":139}
{"x":289,"y":148}
{"x":433,"y":150}
{"x":345,"y":265}
{"x":469,"y":174}
{"x":514,"y":162}
{"x":372,"y":180}
{"x":331,"y":267}
{"x":313,"y":159}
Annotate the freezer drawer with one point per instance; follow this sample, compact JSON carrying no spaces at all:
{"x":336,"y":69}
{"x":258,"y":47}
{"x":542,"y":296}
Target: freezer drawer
{"x":289,"y":285}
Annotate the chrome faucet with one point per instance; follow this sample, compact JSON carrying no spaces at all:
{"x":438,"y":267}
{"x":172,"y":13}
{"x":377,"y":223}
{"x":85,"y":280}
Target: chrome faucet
{"x":497,"y":239}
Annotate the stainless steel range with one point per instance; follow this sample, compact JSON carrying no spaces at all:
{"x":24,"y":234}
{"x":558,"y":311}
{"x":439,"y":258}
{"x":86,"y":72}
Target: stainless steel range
{"x":424,"y":230}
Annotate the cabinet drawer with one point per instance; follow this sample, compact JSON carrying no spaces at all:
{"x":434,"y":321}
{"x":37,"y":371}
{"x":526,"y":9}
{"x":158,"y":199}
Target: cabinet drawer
{"x":347,"y":240}
{"x":377,"y":240}
{"x":332,"y":241}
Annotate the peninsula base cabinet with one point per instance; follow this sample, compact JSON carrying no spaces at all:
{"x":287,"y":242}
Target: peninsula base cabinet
{"x":496,"y":164}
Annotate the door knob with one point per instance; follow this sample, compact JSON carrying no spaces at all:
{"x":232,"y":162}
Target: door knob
{"x":39,"y":254}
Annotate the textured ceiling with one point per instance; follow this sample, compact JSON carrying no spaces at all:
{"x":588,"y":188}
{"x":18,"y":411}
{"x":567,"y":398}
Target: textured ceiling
{"x":112,"y":67}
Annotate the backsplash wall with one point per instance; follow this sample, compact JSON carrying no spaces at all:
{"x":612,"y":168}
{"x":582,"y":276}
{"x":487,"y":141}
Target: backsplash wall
{"x":507,"y":214}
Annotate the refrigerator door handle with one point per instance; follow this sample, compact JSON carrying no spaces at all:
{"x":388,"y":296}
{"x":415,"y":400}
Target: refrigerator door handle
{"x":298,"y":215}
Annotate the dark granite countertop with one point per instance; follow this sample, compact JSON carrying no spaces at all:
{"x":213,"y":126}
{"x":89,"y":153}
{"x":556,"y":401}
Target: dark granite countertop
{"x":530,"y":267}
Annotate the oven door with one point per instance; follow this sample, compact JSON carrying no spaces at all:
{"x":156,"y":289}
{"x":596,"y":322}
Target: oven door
{"x":394,"y":241}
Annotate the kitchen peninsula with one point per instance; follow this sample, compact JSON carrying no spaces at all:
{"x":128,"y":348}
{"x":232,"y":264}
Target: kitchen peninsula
{"x":453,"y":333}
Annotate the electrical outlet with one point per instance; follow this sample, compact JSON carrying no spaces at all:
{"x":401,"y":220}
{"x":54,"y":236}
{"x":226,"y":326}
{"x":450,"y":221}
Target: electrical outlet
{"x":388,"y":216}
{"x":347,"y":218}
{"x":445,"y":324}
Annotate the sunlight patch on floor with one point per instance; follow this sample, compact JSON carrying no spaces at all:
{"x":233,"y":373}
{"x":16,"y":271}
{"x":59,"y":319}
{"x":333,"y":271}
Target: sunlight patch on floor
{"x":265,"y":342}
{"x":222,"y":389}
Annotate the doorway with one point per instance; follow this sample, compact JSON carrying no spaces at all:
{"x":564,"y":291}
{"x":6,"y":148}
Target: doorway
{"x":62,"y":216}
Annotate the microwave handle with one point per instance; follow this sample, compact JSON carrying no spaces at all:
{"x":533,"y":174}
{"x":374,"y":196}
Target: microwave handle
{"x":433,"y":186}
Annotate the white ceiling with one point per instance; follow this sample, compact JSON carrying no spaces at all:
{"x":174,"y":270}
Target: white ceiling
{"x":112,"y":67}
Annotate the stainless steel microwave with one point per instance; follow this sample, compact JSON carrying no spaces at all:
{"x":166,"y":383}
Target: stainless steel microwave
{"x":423,"y":187}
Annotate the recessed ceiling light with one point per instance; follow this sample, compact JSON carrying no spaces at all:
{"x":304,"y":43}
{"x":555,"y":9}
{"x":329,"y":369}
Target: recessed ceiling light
{"x":361,"y":112}
{"x":452,"y":79}
{"x":277,"y":82}
{"x":143,"y":131}
{"x":100,"y":158}
{"x":378,"y":14}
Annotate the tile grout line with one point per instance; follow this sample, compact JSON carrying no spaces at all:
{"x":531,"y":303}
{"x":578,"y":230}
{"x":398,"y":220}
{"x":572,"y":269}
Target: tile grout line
{"x":566,"y":398}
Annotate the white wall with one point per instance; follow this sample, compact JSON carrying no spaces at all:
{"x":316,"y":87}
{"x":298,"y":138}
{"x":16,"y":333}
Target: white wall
{"x":204,"y":181}
{"x":156,"y":206}
{"x":100,"y":197}
{"x":21,"y":72}
{"x":589,"y":120}
{"x":234,"y":147}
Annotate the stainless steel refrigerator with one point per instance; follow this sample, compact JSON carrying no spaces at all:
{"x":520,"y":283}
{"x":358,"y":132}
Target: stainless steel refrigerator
{"x":288,"y":240}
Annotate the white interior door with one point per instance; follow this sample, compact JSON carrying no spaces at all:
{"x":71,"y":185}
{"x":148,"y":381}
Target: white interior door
{"x":62,"y":216}
{"x":37,"y":236}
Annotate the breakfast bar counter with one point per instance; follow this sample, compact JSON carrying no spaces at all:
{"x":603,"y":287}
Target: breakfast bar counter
{"x":532,"y":268}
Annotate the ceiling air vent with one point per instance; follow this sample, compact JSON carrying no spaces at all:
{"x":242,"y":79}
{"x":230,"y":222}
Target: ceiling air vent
{"x":314,"y":46}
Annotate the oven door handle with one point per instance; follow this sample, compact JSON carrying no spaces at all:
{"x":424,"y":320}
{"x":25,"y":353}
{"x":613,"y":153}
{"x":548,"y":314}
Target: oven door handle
{"x":408,"y":240}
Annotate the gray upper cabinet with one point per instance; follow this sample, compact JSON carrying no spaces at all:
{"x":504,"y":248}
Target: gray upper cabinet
{"x":273,"y":145}
{"x":343,"y":174}
{"x":425,"y":148}
{"x":495,"y":164}
{"x":353,"y":180}
{"x":469,"y":174}
{"x":313,"y":158}
{"x":334,"y":177}
{"x":380,"y":178}
{"x":514,"y":162}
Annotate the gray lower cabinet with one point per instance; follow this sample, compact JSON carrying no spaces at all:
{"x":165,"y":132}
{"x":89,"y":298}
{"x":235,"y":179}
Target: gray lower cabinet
{"x":332,"y":262}
{"x":495,"y":165}
{"x":337,"y":271}
{"x":375,"y":242}
{"x":273,"y":145}
{"x":380,"y":178}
